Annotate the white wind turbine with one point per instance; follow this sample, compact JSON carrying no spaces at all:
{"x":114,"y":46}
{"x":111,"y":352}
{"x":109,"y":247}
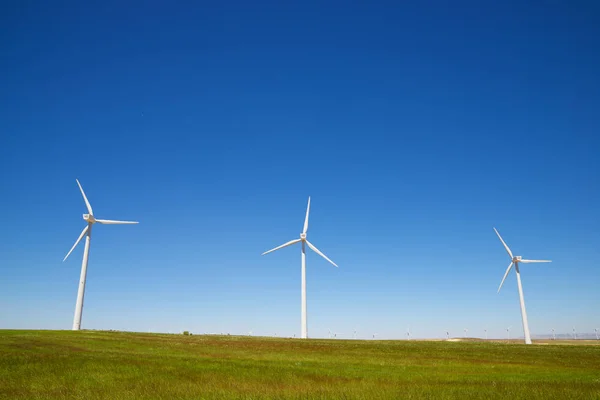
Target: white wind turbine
{"x":303,"y":240}
{"x":89,"y":218}
{"x":516,"y":260}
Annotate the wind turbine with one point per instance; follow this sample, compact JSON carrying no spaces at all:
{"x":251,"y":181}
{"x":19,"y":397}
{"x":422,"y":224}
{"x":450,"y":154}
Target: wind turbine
{"x":553,"y":334}
{"x":596,"y":331}
{"x":447,"y":335}
{"x":574,"y":334}
{"x":466,"y":330}
{"x":408,"y":333}
{"x":516,"y":260}
{"x":303,"y":240}
{"x":508,"y":332}
{"x":485,"y":330}
{"x":87,"y":231}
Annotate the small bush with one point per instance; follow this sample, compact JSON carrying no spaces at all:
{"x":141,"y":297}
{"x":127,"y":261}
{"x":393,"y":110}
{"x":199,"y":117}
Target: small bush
{"x":186,"y":333}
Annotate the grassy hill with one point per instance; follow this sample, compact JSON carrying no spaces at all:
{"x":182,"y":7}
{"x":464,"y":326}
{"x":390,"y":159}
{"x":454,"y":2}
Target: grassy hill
{"x":119,"y":365}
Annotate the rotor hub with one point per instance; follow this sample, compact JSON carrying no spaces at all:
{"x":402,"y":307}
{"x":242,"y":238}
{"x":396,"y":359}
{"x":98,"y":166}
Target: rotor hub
{"x":89,"y":218}
{"x":303,"y":236}
{"x":517,"y":259}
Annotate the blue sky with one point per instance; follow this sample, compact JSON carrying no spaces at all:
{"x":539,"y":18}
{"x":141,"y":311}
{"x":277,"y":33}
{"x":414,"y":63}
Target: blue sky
{"x":415,"y":129}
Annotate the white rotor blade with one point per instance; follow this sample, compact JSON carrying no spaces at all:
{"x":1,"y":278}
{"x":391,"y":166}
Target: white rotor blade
{"x":505,"y":246}
{"x":319,"y":253}
{"x":534,"y":261}
{"x":83,"y":232}
{"x":87,"y":203}
{"x":291,"y":242}
{"x":306,"y":219}
{"x":505,"y":275}
{"x":109,"y":221}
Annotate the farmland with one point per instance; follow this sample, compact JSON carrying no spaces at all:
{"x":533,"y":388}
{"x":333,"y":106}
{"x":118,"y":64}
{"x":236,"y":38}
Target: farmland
{"x":122,"y":365}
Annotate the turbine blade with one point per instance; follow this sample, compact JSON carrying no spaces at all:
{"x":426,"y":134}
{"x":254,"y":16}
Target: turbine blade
{"x":505,"y":245}
{"x":505,"y":275}
{"x":291,"y":242}
{"x":83,"y":232}
{"x":87,"y":203}
{"x":319,"y":252}
{"x":534,"y":261}
{"x":111,"y":222}
{"x":306,"y":219}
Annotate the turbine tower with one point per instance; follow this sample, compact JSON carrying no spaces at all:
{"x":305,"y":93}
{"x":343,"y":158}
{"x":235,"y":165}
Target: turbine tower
{"x":87,"y":231}
{"x":516,"y":260}
{"x":304,"y":241}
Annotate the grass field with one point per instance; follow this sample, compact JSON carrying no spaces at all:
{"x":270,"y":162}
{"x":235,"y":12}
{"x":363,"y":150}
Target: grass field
{"x":117,"y":365}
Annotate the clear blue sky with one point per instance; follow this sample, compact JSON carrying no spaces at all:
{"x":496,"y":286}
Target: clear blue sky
{"x":415,"y":129}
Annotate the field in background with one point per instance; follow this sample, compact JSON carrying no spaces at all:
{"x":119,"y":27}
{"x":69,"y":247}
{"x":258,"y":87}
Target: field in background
{"x":119,"y":365}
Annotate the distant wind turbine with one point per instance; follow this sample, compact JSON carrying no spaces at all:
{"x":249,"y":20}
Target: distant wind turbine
{"x":303,"y":240}
{"x":508,"y":332}
{"x":447,"y":335}
{"x":553,"y":334}
{"x":466,"y":330}
{"x":408,"y":333}
{"x":596,"y":332}
{"x":485,"y":330}
{"x":574,"y":334}
{"x":516,"y":261}
{"x":87,"y":231}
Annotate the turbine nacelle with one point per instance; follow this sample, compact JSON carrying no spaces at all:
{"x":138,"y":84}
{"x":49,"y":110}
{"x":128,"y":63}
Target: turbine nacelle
{"x":90,"y":219}
{"x":517,"y":259}
{"x":303,"y":236}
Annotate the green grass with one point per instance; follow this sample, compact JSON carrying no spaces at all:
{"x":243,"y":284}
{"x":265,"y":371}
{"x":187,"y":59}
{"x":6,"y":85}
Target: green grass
{"x":116,"y":365}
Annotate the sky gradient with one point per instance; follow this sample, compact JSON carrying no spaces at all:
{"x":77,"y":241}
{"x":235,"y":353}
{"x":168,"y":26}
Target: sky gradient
{"x":415,"y":129}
